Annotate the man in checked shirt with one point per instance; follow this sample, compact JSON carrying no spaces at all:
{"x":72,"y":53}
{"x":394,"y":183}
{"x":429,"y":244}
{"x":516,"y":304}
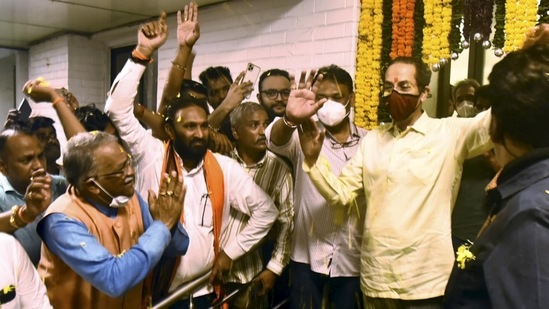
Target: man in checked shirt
{"x":248,"y":123}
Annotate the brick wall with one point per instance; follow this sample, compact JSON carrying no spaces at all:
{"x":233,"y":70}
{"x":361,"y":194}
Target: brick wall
{"x":286,"y":34}
{"x":72,"y":61}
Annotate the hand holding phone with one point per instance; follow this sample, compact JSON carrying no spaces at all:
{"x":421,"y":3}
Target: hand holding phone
{"x":251,"y":75}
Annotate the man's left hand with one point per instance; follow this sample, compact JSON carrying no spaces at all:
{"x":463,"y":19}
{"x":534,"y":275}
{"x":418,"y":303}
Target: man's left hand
{"x":268,"y":279}
{"x":222,"y":264}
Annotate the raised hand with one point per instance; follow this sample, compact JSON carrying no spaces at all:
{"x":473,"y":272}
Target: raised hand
{"x":311,"y":139}
{"x":152,"y":35}
{"x":37,"y":196}
{"x":39,"y":91}
{"x":302,"y":103}
{"x":237,"y":92}
{"x":169,"y":204}
{"x":12,"y":118}
{"x":188,"y":29}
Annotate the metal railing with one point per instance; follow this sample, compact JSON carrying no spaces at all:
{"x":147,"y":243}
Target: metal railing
{"x":188,"y":288}
{"x":183,"y":290}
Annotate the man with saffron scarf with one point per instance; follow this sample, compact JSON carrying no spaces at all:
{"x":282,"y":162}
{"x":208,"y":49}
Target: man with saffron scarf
{"x":216,"y":185}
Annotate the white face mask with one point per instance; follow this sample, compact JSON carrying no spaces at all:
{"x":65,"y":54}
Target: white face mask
{"x":332,"y":113}
{"x":117,"y":201}
{"x":466,"y":109}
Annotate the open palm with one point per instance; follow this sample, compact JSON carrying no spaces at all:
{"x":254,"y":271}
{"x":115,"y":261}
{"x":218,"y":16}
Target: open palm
{"x":302,"y":103}
{"x":188,"y":29}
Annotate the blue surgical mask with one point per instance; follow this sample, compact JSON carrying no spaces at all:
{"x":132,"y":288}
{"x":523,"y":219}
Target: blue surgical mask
{"x":117,"y":201}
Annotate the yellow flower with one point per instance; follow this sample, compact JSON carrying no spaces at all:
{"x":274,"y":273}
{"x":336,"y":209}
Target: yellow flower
{"x":464,"y":255}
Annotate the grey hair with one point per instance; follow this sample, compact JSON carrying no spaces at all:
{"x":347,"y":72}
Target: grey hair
{"x":79,"y":156}
{"x":244,"y":109}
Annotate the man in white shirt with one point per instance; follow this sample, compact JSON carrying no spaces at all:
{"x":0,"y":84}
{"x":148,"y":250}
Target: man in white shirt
{"x":409,"y":171}
{"x":325,"y":256}
{"x":20,"y":284}
{"x":215,"y":184}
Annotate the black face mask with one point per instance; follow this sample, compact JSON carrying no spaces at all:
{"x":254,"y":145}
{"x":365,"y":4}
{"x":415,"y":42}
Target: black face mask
{"x":401,"y":105}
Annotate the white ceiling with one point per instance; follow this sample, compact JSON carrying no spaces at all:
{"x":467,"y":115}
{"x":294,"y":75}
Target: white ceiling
{"x":23,"y":22}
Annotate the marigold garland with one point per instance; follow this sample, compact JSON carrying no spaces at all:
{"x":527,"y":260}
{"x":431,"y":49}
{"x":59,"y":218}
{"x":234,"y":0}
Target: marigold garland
{"x":499,"y":17}
{"x":419,"y":21}
{"x":520,"y":17}
{"x":484,"y":18}
{"x":438,"y":14}
{"x":543,"y":12}
{"x":455,"y":33}
{"x":387,"y":33}
{"x":368,"y":63}
{"x":403,"y":28}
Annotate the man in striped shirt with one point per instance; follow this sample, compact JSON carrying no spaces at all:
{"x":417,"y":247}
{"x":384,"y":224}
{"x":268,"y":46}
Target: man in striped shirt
{"x":325,"y":254}
{"x":248,"y":122}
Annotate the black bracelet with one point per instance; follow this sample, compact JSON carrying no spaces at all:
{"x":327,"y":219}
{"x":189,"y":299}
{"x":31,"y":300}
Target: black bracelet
{"x":139,"y":61}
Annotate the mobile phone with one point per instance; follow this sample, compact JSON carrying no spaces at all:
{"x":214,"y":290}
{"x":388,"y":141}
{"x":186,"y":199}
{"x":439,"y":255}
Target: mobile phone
{"x":251,"y":75}
{"x":24,"y":109}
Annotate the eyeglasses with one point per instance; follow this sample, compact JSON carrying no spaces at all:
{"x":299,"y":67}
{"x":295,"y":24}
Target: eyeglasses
{"x":273,"y":94}
{"x":120,"y":173}
{"x":353,"y":142}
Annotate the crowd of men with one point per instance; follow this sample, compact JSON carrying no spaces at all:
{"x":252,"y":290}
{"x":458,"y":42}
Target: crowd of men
{"x":285,"y":203}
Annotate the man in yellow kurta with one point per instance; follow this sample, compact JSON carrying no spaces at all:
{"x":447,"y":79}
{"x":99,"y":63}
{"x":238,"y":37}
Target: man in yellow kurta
{"x":409,"y":171}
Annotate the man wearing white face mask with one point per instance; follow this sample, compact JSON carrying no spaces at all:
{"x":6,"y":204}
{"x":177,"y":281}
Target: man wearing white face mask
{"x":464,"y":98}
{"x":470,"y":211}
{"x":326,"y":242}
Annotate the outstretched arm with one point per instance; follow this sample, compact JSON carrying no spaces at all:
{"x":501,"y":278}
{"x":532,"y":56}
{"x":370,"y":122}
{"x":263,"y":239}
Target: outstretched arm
{"x":38,"y":91}
{"x":188,"y":32}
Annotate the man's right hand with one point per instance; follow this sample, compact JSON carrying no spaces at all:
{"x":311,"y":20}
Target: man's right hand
{"x":40,"y":91}
{"x":169,"y":204}
{"x":38,"y":195}
{"x":219,"y":142}
{"x":237,"y":93}
{"x":151,"y":36}
{"x":302,"y":103}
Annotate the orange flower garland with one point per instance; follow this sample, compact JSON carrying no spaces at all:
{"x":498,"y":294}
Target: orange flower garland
{"x":403,"y":28}
{"x":368,"y":73}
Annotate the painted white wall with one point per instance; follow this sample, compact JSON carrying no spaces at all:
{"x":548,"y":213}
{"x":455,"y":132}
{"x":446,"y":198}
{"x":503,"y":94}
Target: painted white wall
{"x":286,"y":34}
{"x":7,"y":89}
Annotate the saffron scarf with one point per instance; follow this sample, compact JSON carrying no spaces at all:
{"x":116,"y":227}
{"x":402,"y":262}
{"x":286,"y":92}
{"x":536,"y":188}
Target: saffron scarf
{"x":166,"y":269}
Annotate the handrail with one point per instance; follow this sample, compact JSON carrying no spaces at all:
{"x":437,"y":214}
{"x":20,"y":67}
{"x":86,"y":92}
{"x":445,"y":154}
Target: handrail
{"x":231,"y":295}
{"x":183,"y":290}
